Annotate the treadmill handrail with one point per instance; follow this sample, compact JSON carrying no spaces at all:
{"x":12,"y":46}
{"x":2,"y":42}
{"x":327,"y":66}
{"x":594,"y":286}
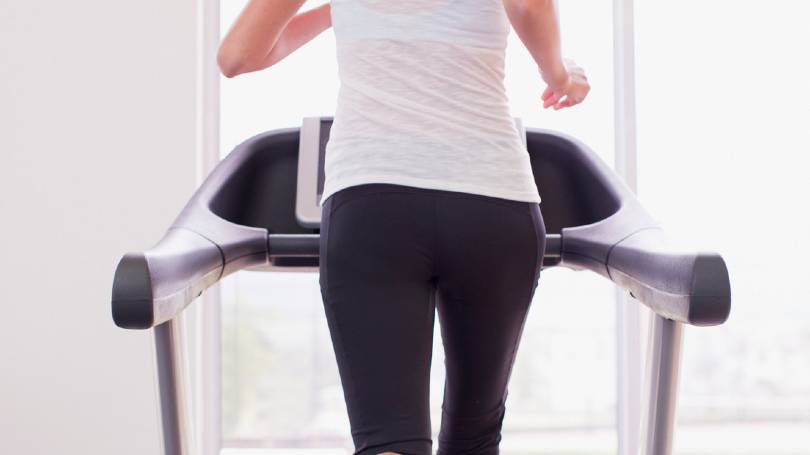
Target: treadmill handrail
{"x":630,"y":248}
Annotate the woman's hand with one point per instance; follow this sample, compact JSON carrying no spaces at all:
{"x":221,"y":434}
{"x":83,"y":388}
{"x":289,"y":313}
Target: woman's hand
{"x":567,"y":88}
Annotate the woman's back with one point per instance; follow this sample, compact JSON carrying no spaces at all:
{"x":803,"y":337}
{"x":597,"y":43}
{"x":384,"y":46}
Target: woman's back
{"x":422,"y":100}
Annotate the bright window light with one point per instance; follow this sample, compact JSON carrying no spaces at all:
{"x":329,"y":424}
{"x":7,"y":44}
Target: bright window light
{"x":723,"y":133}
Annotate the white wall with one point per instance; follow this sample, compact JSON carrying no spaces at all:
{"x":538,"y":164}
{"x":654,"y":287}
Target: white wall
{"x":96,"y":158}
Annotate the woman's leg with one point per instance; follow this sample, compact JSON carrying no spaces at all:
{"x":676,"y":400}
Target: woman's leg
{"x":489,"y":259}
{"x":378,"y":291}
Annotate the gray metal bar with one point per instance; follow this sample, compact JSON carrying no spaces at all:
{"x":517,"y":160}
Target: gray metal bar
{"x":306,"y":245}
{"x":287,"y":245}
{"x":661,"y":385}
{"x":553,"y":246}
{"x":171,"y":375}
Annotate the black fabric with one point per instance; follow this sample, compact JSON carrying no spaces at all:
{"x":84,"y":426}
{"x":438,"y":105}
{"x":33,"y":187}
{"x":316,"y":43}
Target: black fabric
{"x":390,"y":257}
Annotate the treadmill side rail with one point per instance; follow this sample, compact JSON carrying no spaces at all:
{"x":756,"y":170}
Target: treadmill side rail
{"x":154,"y":286}
{"x":630,"y":248}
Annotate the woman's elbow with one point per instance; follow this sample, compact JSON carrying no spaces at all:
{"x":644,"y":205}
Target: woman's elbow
{"x":234,"y":59}
{"x":230,"y":62}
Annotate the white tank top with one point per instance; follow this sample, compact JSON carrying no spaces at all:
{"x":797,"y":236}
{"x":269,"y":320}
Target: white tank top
{"x":422,"y":100}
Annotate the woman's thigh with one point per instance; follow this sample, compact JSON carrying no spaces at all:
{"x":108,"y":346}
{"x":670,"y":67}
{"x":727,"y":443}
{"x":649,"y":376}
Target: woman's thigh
{"x":489,"y":260}
{"x":378,"y":293}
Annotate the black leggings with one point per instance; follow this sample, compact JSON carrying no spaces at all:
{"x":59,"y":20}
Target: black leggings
{"x":391,"y":255}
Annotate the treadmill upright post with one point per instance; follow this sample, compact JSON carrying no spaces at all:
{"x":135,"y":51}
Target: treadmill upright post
{"x":171,"y":375}
{"x":661,"y":386}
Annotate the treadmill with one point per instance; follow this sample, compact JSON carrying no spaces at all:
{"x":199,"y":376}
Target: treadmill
{"x":259,"y":210}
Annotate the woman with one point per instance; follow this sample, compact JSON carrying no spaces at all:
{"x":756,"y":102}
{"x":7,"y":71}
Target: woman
{"x":429,"y":203}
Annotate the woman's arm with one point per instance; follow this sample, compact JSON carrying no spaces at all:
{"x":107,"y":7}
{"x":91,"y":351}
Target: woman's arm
{"x":267,"y":31}
{"x":537,"y":25}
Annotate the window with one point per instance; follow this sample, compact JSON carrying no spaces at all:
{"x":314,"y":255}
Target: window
{"x":723,"y":122}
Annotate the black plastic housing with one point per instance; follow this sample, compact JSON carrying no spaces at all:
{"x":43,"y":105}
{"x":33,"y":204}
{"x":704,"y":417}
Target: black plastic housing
{"x":243,"y":216}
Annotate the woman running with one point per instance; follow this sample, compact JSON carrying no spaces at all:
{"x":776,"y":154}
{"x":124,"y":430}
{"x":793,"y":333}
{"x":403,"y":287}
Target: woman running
{"x":429,"y":203}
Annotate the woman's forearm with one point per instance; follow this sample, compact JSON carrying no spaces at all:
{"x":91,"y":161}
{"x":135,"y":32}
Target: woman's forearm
{"x":537,"y":25}
{"x":302,"y":29}
{"x":267,"y":31}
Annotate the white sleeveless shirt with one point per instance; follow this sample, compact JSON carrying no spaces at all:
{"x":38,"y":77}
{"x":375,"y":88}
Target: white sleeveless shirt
{"x":422,"y":100}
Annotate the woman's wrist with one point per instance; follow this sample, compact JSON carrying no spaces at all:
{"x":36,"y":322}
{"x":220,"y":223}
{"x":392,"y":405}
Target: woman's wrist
{"x":557,"y":76}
